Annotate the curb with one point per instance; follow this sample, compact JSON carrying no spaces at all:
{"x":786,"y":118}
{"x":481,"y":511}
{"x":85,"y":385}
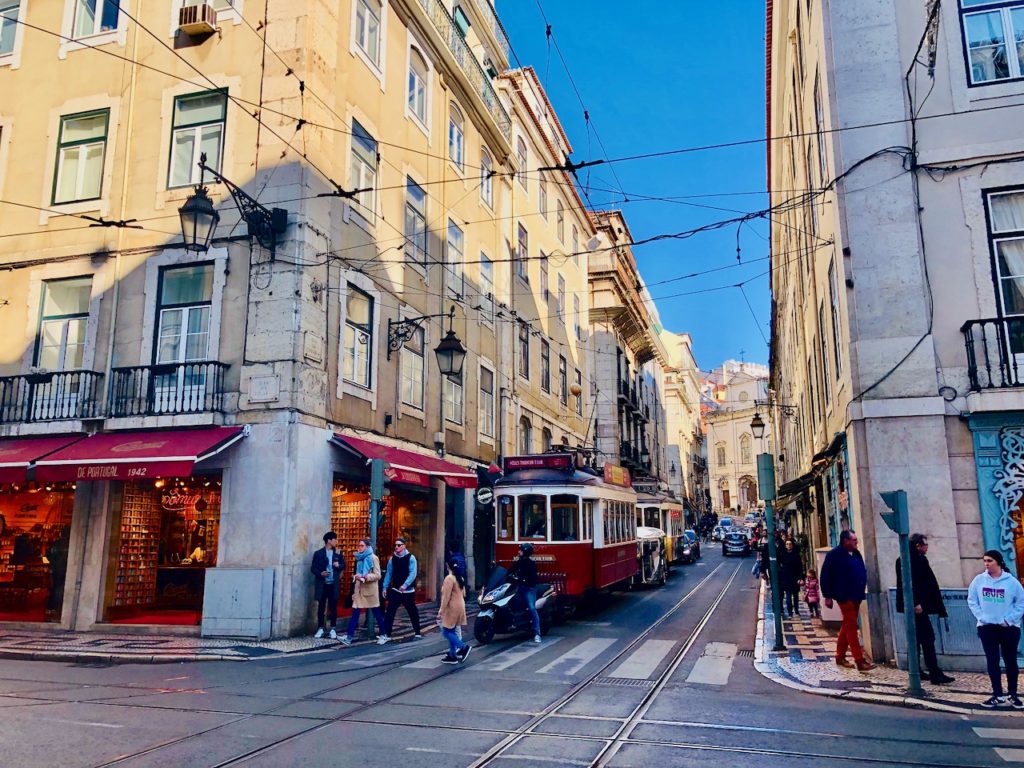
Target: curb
{"x":763,"y":666}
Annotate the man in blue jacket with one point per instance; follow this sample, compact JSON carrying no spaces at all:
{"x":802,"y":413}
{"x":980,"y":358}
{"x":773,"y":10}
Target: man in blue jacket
{"x":399,"y":586}
{"x":844,"y":580}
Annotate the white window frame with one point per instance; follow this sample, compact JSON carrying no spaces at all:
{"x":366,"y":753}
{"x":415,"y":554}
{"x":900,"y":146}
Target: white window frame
{"x":746,"y":449}
{"x":422,"y":122}
{"x":64,"y":322}
{"x":545,"y":366}
{"x":523,"y":350}
{"x":542,"y":198}
{"x":376,"y":66}
{"x":454,"y":400}
{"x":488,"y":415}
{"x":545,"y":283}
{"x":579,"y":397}
{"x":576,"y":317}
{"x":361,"y":176}
{"x":455,"y":259}
{"x":456,"y":137}
{"x":1015,"y":67}
{"x":522,"y":253}
{"x":197,"y":130}
{"x":365,"y":284}
{"x":411,"y":248}
{"x":522,"y":159}
{"x":560,"y":219}
{"x":71,"y":43}
{"x":59,"y":164}
{"x":833,"y":290}
{"x":563,"y":381}
{"x":486,"y":179}
{"x":412,"y":371}
{"x":12,"y":59}
{"x":487,"y":300}
{"x":560,"y":306}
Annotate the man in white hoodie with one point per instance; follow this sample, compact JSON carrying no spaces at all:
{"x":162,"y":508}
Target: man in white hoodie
{"x":996,"y":598}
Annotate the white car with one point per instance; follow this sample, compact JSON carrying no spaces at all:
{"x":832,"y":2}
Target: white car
{"x":718,"y":533}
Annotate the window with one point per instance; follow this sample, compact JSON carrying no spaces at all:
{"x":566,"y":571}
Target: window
{"x":455,"y":260}
{"x":545,"y":289}
{"x":364,"y":169}
{"x":819,"y":128}
{"x":357,"y":354}
{"x":64,"y":314}
{"x":524,"y":350}
{"x":487,"y":402}
{"x":367,"y":29}
{"x":453,"y":399}
{"x":833,"y":298}
{"x":575,"y":245}
{"x":486,"y":180}
{"x":412,"y":369}
{"x":565,"y":513}
{"x":720,"y":454}
{"x":588,"y":520}
{"x":183,"y":314}
{"x":9,"y":10}
{"x":563,"y":380}
{"x":198,"y":128}
{"x":576,"y":317}
{"x":522,"y":254}
{"x":93,"y":17}
{"x":456,"y":138}
{"x":546,"y":440}
{"x":745,"y":453}
{"x":579,"y":397}
{"x":486,"y":288}
{"x":823,"y":339}
{"x":995,"y":40}
{"x":1006,"y":232}
{"x":506,"y":512}
{"x":533,"y":516}
{"x":560,"y":220}
{"x":542,"y":198}
{"x":81,"y":150}
{"x":545,"y":366}
{"x":415,"y":223}
{"x":525,"y":435}
{"x":416,"y":99}
{"x":521,"y":158}
{"x":561,"y":298}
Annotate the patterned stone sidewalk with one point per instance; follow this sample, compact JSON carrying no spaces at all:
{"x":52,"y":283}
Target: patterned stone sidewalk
{"x":808,"y":664}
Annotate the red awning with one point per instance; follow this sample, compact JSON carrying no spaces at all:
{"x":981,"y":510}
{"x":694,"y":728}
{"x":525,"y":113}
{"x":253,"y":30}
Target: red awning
{"x":137,"y":455}
{"x":407,"y":466}
{"x":17,"y":453}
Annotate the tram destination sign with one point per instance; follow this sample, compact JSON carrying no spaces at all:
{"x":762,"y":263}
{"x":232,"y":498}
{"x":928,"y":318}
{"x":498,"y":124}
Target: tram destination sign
{"x":616,"y":475}
{"x":540,"y":461}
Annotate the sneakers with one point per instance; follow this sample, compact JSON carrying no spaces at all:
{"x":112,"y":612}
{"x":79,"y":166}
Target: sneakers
{"x":844,"y":663}
{"x":346,"y":640}
{"x":993,"y":701}
{"x":865,"y":666}
{"x":536,"y":638}
{"x":383,"y":640}
{"x":449,"y":659}
{"x":463,"y":653}
{"x":333,"y":635}
{"x":1015,"y":702}
{"x":417,"y":636}
{"x":319,"y":633}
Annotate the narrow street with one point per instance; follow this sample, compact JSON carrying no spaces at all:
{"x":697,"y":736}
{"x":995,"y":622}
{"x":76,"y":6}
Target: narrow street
{"x":661,"y":677}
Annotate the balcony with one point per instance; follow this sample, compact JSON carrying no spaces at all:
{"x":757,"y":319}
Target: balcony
{"x":443,"y":22}
{"x":49,"y":396}
{"x":995,"y":352}
{"x":168,"y":389}
{"x":486,"y":11}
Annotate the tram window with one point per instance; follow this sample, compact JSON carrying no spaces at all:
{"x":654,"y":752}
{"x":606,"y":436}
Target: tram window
{"x":652,"y":518}
{"x":506,"y":511}
{"x":565,"y":518}
{"x":613,"y":509}
{"x":533,"y":517}
{"x":617,"y":522}
{"x":588,"y":520}
{"x":630,"y":532}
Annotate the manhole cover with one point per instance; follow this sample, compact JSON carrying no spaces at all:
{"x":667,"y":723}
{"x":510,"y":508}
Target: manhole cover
{"x":623,"y":682}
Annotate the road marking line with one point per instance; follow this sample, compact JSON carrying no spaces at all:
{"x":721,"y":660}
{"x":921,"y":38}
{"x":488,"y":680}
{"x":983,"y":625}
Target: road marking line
{"x":515,"y":654}
{"x":1014,"y":734}
{"x":441,"y":751}
{"x":81,"y":722}
{"x":644,"y":660}
{"x":715,"y":664}
{"x":1011,"y":755}
{"x":572,"y":661}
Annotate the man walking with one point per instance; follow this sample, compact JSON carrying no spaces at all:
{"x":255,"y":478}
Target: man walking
{"x":791,"y":573}
{"x":326,"y":569}
{"x":844,"y":580}
{"x":400,"y":590}
{"x":927,"y":602}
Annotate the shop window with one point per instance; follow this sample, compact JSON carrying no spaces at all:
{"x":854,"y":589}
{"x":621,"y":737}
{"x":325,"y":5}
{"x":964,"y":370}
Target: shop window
{"x":506,"y":511}
{"x":81,"y":151}
{"x":198,"y":129}
{"x":358,"y":344}
{"x":64,"y":314}
{"x":412,"y":370}
{"x":533,"y":517}
{"x":35,"y":528}
{"x":565,"y":512}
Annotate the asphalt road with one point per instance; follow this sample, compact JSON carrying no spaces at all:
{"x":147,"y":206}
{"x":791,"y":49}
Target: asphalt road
{"x":654,"y":678}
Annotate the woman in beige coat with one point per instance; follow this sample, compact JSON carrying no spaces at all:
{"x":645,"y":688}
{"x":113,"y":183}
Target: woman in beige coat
{"x":365,"y":595}
{"x":452,"y":614}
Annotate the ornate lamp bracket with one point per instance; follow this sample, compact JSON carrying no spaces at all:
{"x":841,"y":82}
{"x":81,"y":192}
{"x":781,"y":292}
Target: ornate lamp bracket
{"x":265,"y":224}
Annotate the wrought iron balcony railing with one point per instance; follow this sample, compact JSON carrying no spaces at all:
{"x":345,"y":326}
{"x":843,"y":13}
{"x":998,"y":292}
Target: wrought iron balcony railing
{"x":49,"y":396}
{"x":494,"y":24}
{"x":995,"y":352}
{"x":165,"y":389}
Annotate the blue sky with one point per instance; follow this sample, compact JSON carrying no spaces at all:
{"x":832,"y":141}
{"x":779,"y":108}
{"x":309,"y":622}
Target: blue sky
{"x":669,"y":75}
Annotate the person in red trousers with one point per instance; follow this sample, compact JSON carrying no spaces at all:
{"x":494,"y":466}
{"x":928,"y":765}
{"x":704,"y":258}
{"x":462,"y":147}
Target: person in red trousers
{"x":844,"y":580}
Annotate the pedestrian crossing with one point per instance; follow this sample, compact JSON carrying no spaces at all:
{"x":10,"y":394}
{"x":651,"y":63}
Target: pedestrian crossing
{"x":642,"y":662}
{"x":1008,"y":754}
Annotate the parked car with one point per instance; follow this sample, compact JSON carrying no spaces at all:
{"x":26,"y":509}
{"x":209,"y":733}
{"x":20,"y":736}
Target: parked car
{"x":735,"y":543}
{"x":718,"y":533}
{"x":691,"y":547}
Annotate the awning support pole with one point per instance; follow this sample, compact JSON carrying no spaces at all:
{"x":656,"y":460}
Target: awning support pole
{"x":376,"y":505}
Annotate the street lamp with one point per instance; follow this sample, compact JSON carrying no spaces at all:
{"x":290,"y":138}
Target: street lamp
{"x":766,"y":486}
{"x":198,"y":220}
{"x":450,"y":353}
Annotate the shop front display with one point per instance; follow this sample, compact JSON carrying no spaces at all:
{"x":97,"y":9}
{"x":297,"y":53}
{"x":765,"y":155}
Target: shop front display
{"x":35,"y":528}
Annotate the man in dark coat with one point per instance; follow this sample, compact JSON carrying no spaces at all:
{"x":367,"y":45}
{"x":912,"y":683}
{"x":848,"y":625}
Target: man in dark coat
{"x":927,"y":602}
{"x":844,"y":580}
{"x":791,"y":572}
{"x":326,"y":568}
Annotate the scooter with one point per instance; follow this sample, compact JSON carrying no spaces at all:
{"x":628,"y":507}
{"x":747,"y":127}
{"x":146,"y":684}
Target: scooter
{"x":503,"y":610}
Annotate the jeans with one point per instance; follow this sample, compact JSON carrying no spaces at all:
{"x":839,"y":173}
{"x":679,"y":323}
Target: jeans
{"x":848,"y":631}
{"x":792,"y":596}
{"x":353,"y":623}
{"x":455,"y":643}
{"x":531,"y":604}
{"x":996,"y":638}
{"x":329,"y":600}
{"x":403,"y":599}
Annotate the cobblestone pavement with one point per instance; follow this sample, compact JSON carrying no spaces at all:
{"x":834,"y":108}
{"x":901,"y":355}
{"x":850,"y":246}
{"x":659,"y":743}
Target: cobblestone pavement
{"x":808,"y":664}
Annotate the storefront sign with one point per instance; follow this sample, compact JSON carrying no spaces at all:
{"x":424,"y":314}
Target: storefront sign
{"x":616,"y":475}
{"x":132,"y":471}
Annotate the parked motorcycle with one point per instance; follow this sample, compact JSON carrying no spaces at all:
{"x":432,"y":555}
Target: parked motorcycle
{"x":503,"y":610}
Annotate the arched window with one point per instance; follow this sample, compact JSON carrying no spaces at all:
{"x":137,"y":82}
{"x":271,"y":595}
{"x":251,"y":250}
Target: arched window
{"x":456,"y":137}
{"x":720,"y":454}
{"x":486,"y":179}
{"x":525,"y":435}
{"x":547,"y":439}
{"x":521,"y":157}
{"x":417,"y":96}
{"x":745,"y":454}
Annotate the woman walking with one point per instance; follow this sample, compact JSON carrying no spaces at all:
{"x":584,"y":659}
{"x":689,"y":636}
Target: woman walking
{"x":452,"y":614}
{"x":365,"y":595}
{"x":997,"y":601}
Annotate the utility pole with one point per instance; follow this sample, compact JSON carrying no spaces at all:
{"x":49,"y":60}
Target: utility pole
{"x":898,"y":521}
{"x":766,"y":484}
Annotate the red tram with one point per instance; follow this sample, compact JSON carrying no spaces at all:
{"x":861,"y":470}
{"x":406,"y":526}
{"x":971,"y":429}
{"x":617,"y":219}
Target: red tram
{"x":582,"y":525}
